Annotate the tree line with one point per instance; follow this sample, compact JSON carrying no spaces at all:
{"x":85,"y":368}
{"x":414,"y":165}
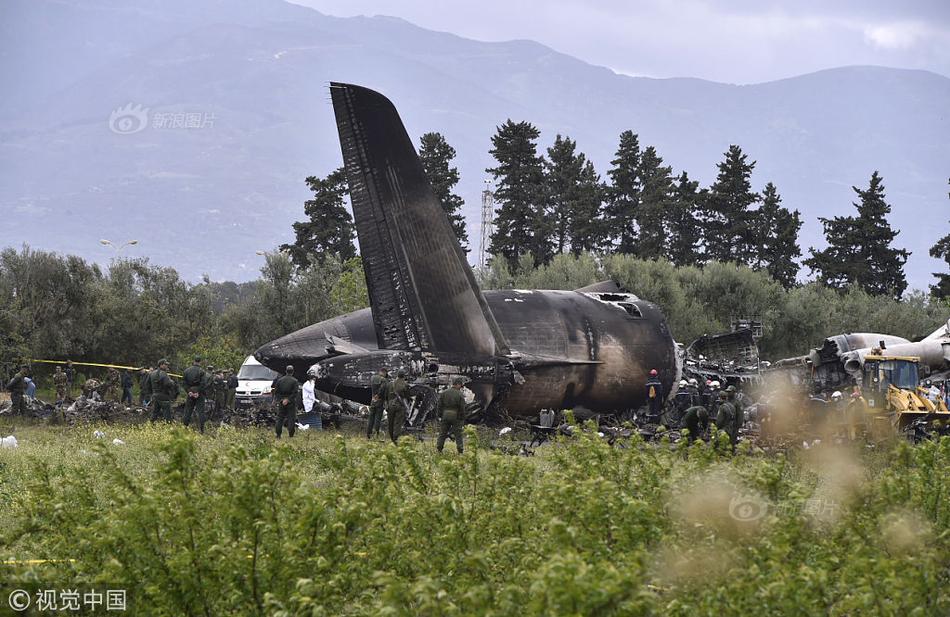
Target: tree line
{"x":556,"y":203}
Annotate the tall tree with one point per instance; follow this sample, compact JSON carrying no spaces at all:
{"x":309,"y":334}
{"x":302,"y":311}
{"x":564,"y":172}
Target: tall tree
{"x":941,"y":250}
{"x":562,"y":174}
{"x":859,"y":247}
{"x":587,"y":229}
{"x":328,"y":229}
{"x":521,"y":222}
{"x":656,"y":186}
{"x":623,"y":193}
{"x":776,"y":238}
{"x":728,"y":233}
{"x":437,"y":156}
{"x":683,"y":235}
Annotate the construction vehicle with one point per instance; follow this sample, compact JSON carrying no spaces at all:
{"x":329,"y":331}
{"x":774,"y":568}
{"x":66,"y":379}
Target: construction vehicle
{"x":891,"y":385}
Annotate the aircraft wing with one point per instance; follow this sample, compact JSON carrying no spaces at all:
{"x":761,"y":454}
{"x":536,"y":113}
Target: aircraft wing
{"x":422,"y":291}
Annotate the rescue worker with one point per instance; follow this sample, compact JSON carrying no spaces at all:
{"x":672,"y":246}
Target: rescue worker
{"x":654,"y":394}
{"x":695,"y":396}
{"x":696,"y":421}
{"x":682,"y":400}
{"x":59,"y":382}
{"x":161,"y":391}
{"x":736,"y":399}
{"x":195,"y":381}
{"x":17,"y":387}
{"x":396,"y":404}
{"x":726,"y":417}
{"x":286,"y":390}
{"x":232,"y":384}
{"x":126,"y":388}
{"x":378,"y":390}
{"x":451,"y":410}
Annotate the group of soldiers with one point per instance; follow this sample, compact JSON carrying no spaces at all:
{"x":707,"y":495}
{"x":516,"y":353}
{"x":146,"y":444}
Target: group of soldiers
{"x":392,"y":395}
{"x":201,"y":385}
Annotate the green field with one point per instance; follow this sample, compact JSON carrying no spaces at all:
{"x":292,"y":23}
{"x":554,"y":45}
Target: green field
{"x":238,"y":524}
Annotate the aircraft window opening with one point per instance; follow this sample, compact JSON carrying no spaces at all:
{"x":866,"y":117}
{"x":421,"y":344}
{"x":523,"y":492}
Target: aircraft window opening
{"x":607,"y":297}
{"x":632,"y":309}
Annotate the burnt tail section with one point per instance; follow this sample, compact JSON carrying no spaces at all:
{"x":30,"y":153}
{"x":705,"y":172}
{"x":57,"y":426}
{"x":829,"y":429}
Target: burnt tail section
{"x":422,"y":291}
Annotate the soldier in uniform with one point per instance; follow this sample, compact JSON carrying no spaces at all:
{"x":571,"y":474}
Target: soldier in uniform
{"x":161,"y":391}
{"x":378,"y":388}
{"x":232,"y":384}
{"x":195,"y":381}
{"x":143,"y":379}
{"x":397,"y":393}
{"x":59,"y":381}
{"x":727,"y":417}
{"x":696,"y":421}
{"x":451,"y":409}
{"x":126,"y":387}
{"x":111,"y":385}
{"x":220,"y":391}
{"x":17,"y":387}
{"x":70,"y":378}
{"x":286,"y":389}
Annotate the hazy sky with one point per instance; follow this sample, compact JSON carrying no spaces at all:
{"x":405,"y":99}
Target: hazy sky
{"x":737,"y":41}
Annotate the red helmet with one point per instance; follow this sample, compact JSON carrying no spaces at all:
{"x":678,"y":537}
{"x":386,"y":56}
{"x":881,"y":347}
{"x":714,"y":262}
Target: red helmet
{"x":653,"y":373}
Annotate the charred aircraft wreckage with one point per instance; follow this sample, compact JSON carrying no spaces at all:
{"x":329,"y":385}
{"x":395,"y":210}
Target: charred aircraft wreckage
{"x":520,"y":351}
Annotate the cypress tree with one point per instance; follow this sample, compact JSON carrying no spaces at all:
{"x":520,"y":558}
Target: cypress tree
{"x":623,"y":194}
{"x":562,"y":173}
{"x":437,"y":155}
{"x":520,"y":219}
{"x":328,"y":229}
{"x":656,"y":186}
{"x":728,"y":234}
{"x":776,"y":238}
{"x":859,"y":247}
{"x":684,"y":233}
{"x":587,"y":224}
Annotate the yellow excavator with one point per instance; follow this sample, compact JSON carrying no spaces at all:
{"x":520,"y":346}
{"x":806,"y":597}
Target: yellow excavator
{"x":892,"y":387}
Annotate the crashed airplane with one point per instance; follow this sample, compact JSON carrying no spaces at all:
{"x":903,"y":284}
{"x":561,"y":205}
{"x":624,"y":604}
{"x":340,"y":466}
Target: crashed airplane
{"x":520,"y":351}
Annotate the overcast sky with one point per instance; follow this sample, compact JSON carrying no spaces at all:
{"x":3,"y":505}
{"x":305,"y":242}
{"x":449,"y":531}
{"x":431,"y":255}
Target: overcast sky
{"x":736,"y":41}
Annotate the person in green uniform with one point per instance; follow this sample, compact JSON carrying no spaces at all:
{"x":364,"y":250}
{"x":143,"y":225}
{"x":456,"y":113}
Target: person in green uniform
{"x":451,"y":409}
{"x":59,"y":380}
{"x":286,"y":389}
{"x":231,"y":381}
{"x":220,"y":391}
{"x":696,"y":421}
{"x":17,"y":387}
{"x":396,"y":405}
{"x":378,"y":390}
{"x":196,"y":382}
{"x":161,"y":391}
{"x":726,"y":417}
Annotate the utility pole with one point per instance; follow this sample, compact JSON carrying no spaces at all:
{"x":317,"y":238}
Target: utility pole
{"x":488,"y":217}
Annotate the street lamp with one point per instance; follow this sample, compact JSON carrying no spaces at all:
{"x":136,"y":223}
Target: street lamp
{"x":119,"y":248}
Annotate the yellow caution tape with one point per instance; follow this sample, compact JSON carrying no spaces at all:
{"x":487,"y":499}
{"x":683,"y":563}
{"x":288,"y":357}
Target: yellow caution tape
{"x":131,"y":368}
{"x":33,"y":562}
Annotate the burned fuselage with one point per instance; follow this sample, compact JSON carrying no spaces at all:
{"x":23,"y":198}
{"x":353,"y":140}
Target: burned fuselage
{"x":569,"y":350}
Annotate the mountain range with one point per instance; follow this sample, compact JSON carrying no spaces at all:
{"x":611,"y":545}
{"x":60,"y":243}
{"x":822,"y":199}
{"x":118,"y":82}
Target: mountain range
{"x":190,"y":125}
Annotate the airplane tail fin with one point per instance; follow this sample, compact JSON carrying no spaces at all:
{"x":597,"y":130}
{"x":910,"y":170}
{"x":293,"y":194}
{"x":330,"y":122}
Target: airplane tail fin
{"x":422,"y":291}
